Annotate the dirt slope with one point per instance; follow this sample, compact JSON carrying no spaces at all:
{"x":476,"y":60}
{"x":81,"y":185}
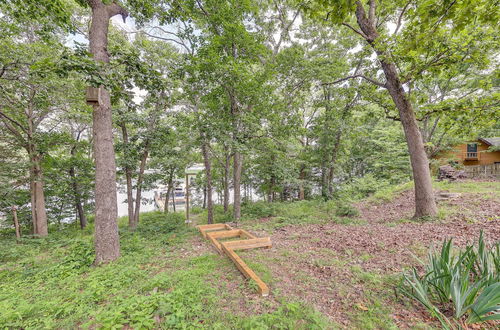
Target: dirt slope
{"x":349,"y":271}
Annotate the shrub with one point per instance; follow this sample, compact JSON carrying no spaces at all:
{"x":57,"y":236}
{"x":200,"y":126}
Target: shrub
{"x":346,"y":210}
{"x":361,"y":187}
{"x":152,"y":223}
{"x":219,"y":215}
{"x":259,"y":209}
{"x":465,"y":286}
{"x":196,"y":210}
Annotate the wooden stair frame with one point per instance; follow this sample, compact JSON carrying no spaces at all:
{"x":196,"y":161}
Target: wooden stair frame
{"x":216,"y":231}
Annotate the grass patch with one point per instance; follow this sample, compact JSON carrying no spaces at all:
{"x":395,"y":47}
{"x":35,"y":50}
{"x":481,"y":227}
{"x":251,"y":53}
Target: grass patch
{"x":51,"y":282}
{"x":289,"y":316}
{"x":468,"y":186}
{"x":388,"y":193}
{"x":373,"y":312}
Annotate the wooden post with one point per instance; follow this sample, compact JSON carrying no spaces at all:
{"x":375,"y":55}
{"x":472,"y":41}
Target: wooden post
{"x":16,"y":224}
{"x":187,"y":199}
{"x":173,"y":199}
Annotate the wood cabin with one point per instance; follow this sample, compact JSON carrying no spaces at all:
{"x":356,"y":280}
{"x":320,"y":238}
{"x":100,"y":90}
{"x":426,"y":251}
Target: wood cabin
{"x":476,"y":152}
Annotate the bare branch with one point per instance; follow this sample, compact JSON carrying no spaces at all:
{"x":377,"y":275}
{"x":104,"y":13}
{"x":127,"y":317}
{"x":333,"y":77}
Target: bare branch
{"x":388,"y":116}
{"x":440,"y":19}
{"x":168,"y":39}
{"x":8,"y":123}
{"x":400,"y":18}
{"x":286,"y":29}
{"x":355,"y":30}
{"x":373,"y":81}
{"x":13,"y":121}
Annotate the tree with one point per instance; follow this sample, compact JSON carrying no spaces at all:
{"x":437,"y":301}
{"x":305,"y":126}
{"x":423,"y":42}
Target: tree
{"x":430,"y":37}
{"x":107,"y":241}
{"x":27,"y":97}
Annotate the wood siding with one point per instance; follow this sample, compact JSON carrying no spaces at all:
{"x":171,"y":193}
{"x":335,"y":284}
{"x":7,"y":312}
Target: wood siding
{"x":458,"y":153}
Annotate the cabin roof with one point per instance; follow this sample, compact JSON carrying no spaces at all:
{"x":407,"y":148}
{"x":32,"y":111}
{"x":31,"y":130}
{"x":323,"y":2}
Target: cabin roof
{"x":493,"y":141}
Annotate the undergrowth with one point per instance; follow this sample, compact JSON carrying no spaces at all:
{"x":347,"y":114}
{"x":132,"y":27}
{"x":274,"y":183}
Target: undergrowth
{"x":278,"y":214}
{"x":52,"y":283}
{"x":458,"y":288}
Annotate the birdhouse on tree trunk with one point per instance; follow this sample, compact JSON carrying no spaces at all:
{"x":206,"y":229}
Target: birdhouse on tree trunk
{"x":93,"y":96}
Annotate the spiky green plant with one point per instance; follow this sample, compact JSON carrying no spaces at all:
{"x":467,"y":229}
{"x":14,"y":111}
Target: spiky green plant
{"x":465,"y":285}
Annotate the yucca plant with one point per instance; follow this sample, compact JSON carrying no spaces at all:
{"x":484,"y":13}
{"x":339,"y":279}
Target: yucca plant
{"x":458,"y":288}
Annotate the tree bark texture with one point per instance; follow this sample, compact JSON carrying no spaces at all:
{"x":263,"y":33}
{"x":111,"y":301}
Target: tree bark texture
{"x":425,"y":204}
{"x":226,"y":182}
{"x":16,"y":224}
{"x":38,"y":210}
{"x":107,"y":241}
{"x":208,"y":175}
{"x":33,"y":202}
{"x":41,"y":212}
{"x":170,"y":186}
{"x":140,"y":179}
{"x":237,"y":166}
{"x":128,"y":179}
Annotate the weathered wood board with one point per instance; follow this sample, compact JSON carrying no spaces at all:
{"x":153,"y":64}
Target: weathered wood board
{"x":216,"y":231}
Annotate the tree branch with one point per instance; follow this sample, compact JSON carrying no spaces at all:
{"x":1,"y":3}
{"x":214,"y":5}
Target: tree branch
{"x":13,"y":121}
{"x":371,"y":12}
{"x":5,"y":120}
{"x":400,"y":18}
{"x":168,"y":39}
{"x":373,"y":81}
{"x":355,"y":30}
{"x":115,"y":9}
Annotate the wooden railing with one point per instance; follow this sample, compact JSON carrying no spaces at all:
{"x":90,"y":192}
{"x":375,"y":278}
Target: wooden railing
{"x":474,"y":171}
{"x":471,"y":156}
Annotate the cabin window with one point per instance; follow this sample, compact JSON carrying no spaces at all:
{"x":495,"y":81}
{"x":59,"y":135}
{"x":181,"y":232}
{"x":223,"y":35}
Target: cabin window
{"x":471,"y":147}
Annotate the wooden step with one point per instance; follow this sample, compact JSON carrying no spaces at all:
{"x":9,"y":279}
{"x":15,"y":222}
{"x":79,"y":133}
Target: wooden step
{"x":216,"y":231}
{"x":245,"y":270}
{"x":212,"y":227}
{"x":212,"y":236}
{"x":246,"y":244}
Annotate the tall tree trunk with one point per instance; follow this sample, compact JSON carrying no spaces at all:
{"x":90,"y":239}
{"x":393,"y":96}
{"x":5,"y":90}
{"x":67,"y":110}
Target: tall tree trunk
{"x":237,"y":166}
{"x":128,"y":179}
{"x":16,"y":224}
{"x":140,"y":180}
{"x":219,"y":195}
{"x":173,"y":200}
{"x":425,"y":204}
{"x":325,"y":145}
{"x":107,"y":240}
{"x":144,"y":158}
{"x":204,"y":205}
{"x":302,"y":176}
{"x":38,"y":210}
{"x":226,"y":182}
{"x":324,"y":182}
{"x":272,"y":186}
{"x":169,"y":192}
{"x":208,"y":175}
{"x":33,"y":200}
{"x":41,"y":213}
{"x":336,"y":144}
